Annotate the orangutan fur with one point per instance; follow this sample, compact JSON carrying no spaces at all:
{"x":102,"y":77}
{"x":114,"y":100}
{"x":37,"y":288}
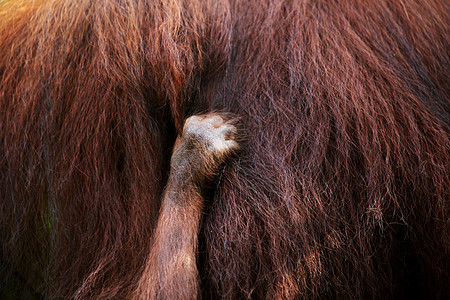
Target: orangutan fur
{"x":340,"y":189}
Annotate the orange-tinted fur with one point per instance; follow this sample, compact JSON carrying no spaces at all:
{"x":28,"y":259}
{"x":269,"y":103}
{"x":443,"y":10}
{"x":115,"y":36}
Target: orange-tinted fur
{"x":341,"y":189}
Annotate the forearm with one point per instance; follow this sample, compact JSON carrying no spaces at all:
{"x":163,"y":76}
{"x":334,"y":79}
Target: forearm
{"x":178,"y":223}
{"x":171,"y":270}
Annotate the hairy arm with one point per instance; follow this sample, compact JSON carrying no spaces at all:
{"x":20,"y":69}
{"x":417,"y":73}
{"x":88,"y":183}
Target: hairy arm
{"x":171,"y":270}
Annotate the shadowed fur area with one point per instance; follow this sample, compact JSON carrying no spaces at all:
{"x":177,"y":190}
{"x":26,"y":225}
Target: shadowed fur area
{"x":341,"y":188}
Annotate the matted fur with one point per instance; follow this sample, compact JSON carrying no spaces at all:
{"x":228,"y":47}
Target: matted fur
{"x":342,"y":186}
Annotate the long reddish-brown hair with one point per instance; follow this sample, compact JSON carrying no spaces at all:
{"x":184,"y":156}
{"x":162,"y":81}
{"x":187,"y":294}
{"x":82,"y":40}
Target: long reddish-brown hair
{"x":341,"y":189}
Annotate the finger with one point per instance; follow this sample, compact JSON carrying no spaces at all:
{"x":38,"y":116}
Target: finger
{"x":232,"y":145}
{"x":214,"y":121}
{"x":228,"y":131}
